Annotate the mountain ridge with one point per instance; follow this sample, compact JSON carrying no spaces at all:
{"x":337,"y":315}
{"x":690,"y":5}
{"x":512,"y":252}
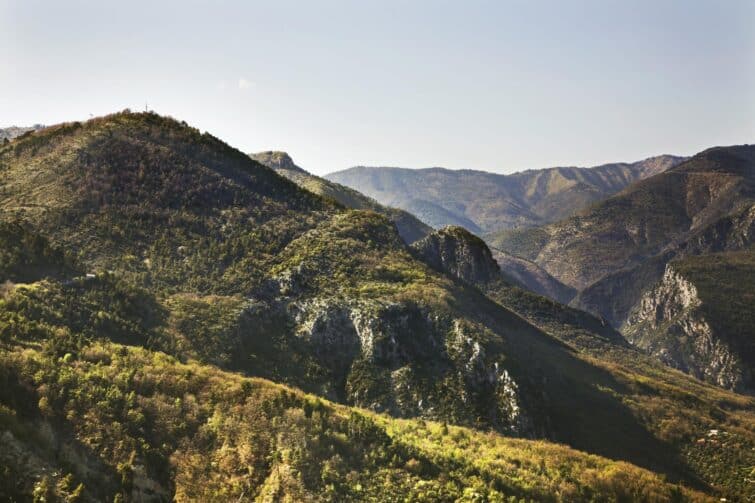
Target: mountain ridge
{"x":485,"y":202}
{"x":617,"y":251}
{"x":409,"y":227}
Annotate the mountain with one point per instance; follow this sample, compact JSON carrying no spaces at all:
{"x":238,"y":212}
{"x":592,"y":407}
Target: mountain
{"x":486,"y":202}
{"x":409,"y":227}
{"x":616,"y":251}
{"x":450,"y":247}
{"x":174,"y":280}
{"x":84,"y":418}
{"x":699,"y":318}
{"x":12,"y":132}
{"x":521,"y":271}
{"x":459,"y":253}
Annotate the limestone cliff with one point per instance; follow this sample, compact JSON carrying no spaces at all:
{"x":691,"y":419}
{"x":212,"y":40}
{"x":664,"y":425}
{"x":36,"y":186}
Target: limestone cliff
{"x":671,"y":323}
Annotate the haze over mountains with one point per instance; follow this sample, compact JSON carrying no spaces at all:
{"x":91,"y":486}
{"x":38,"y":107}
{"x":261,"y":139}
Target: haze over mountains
{"x":486,"y":202}
{"x":164,"y":295}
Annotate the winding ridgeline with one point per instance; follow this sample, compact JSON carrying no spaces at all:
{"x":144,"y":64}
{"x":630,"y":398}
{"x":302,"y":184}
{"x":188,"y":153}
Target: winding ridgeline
{"x":178,"y":321}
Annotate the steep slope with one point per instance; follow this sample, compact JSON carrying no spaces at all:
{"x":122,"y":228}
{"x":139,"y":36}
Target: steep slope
{"x":725,"y":359}
{"x":486,"y":202}
{"x":614,"y":252}
{"x":119,"y":423}
{"x":200,"y":252}
{"x":532,"y":277}
{"x":457,"y":252}
{"x":649,"y":218}
{"x":615,"y":294}
{"x":409,"y":227}
{"x":699,"y":318}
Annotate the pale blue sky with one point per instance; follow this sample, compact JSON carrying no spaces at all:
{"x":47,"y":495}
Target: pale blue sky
{"x":494,"y":85}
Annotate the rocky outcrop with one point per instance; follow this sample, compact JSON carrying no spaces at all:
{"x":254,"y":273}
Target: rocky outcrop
{"x":276,"y":160}
{"x":668,"y":322}
{"x":457,"y":252}
{"x":407,"y":360}
{"x":613,"y":296}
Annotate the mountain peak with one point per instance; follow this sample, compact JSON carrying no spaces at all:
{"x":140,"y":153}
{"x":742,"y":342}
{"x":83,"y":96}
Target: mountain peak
{"x":276,"y":159}
{"x":458,"y":252}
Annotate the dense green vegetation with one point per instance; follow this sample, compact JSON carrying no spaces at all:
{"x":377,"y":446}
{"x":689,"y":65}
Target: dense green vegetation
{"x":186,"y":260}
{"x":120,"y":423}
{"x":26,"y":256}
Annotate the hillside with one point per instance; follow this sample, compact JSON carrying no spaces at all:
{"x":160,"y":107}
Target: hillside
{"x":409,"y":227}
{"x":640,"y":222}
{"x":168,"y":241}
{"x":590,"y":336}
{"x":699,"y":318}
{"x":120,"y":423}
{"x":457,"y":252}
{"x":532,"y":277}
{"x":88,"y":413}
{"x":616,"y":251}
{"x":486,"y":202}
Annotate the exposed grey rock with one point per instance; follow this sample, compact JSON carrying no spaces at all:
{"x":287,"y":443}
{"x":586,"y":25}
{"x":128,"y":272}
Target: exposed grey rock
{"x":456,"y":251}
{"x":668,"y":323}
{"x":419,"y":363}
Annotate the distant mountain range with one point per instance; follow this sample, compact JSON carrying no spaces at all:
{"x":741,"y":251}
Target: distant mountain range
{"x":486,"y":202}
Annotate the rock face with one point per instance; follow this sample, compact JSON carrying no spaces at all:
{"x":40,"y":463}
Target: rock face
{"x":670,"y":324}
{"x":276,"y":160}
{"x":404,"y":359}
{"x":460,"y":253}
{"x":614,"y":295}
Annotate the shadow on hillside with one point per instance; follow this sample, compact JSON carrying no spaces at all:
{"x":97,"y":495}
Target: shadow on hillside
{"x":573,"y":402}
